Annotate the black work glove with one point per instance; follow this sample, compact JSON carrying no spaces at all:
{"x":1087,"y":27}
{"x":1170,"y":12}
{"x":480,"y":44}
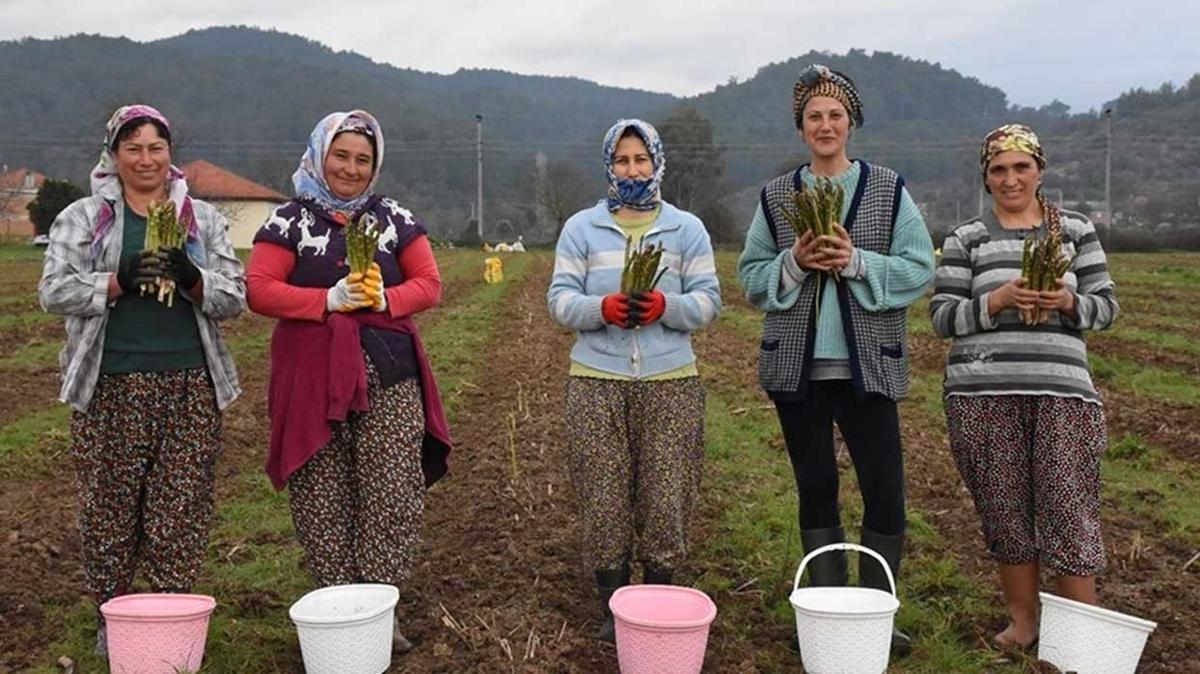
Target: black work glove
{"x":142,"y":269}
{"x":180,"y":267}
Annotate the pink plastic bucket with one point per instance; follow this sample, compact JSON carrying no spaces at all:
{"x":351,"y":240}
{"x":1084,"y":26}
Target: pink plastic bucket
{"x":661,"y":629}
{"x":157,"y":633}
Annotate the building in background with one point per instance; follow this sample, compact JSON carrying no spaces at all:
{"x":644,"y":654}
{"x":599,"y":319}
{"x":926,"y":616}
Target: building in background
{"x":18,"y":187}
{"x":243,"y":202}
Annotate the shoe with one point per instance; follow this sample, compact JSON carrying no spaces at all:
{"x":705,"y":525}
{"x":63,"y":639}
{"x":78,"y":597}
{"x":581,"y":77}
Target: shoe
{"x":871,"y":574}
{"x":102,"y":640}
{"x":400,"y":643}
{"x":652,"y":576}
{"x":609,"y":581}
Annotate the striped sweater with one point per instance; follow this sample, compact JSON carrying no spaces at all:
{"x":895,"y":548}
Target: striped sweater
{"x":1000,"y":355}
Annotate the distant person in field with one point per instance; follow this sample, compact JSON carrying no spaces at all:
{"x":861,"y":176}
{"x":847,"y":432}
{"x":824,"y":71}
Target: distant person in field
{"x":146,"y":380}
{"x":835,"y":339}
{"x":634,"y":404}
{"x":357,"y":428}
{"x":1026,"y":425}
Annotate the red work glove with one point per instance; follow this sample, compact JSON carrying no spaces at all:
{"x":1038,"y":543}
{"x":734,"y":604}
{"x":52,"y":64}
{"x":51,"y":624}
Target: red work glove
{"x":649,"y":306}
{"x":614,"y":309}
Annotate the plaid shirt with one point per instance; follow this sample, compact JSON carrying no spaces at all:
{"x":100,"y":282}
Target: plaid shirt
{"x":75,"y":285}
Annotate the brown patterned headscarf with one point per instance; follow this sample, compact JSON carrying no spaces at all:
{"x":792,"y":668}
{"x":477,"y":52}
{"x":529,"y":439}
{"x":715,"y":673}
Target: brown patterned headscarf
{"x":820,"y":80}
{"x":1019,"y":138}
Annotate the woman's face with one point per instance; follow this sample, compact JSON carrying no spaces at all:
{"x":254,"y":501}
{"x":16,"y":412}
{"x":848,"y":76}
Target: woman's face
{"x":143,"y":160}
{"x":826,"y":127}
{"x":348,"y":165}
{"x":1013,"y":179}
{"x":631,"y":159}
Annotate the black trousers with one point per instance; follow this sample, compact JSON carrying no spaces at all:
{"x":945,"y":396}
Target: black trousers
{"x":871,"y":428}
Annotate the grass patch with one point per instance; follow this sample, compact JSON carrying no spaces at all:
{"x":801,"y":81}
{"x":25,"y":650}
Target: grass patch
{"x":755,"y":538}
{"x":1153,"y":383}
{"x":31,"y":445}
{"x":1162,"y":490}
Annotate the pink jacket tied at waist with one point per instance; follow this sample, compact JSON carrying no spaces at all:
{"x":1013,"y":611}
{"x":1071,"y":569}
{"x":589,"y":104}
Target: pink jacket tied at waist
{"x":319,"y":375}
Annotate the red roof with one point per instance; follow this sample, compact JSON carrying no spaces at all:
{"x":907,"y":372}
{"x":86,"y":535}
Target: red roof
{"x":209,"y":181}
{"x":15,"y":179}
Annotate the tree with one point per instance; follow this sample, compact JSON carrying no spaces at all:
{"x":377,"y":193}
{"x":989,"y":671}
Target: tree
{"x":52,"y":197}
{"x":561,"y":189}
{"x":695,"y":163}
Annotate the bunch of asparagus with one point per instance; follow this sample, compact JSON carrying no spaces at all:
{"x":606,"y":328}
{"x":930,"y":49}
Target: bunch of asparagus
{"x":1042,"y":264}
{"x":816,"y":209}
{"x":641,"y":272}
{"x":362,"y":239}
{"x":163,"y":230}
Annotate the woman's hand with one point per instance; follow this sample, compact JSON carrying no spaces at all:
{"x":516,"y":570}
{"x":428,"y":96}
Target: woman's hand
{"x":1012,"y":295}
{"x":648,"y":306}
{"x":836,"y":251}
{"x":807,"y":253}
{"x":372,"y":283}
{"x":615,"y":310}
{"x":1061,"y":300}
{"x":179,"y":267}
{"x":139,"y":271}
{"x":348,"y":295}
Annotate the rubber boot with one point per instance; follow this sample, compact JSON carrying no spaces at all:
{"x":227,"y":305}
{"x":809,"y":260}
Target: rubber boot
{"x":608,"y":582}
{"x":653,"y":576}
{"x":871,"y":574}
{"x":828,"y":569}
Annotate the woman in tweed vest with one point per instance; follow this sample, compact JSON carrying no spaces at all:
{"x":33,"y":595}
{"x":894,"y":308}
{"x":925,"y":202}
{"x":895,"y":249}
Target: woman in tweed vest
{"x":1026,"y":425}
{"x":146,"y":379}
{"x":834,"y":345}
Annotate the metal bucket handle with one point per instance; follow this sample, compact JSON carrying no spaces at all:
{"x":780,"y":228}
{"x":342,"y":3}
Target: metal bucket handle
{"x":844,"y":546}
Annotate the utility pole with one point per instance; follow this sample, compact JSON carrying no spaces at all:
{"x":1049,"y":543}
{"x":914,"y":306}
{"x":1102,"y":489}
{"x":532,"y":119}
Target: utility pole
{"x":479,"y":175}
{"x":1108,"y":212}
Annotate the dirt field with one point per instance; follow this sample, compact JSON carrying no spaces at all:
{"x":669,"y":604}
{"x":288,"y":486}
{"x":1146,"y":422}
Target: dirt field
{"x":501,"y":586}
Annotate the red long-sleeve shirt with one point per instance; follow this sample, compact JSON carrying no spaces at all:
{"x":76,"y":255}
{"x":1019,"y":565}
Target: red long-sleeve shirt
{"x":270,"y":265}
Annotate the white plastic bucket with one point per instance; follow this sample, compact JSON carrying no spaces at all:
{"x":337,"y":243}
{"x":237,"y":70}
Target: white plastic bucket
{"x":844,"y":630}
{"x":346,"y":629}
{"x":1079,"y":637}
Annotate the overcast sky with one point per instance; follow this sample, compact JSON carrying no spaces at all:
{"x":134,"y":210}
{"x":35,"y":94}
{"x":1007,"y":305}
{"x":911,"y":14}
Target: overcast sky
{"x":1081,"y":52}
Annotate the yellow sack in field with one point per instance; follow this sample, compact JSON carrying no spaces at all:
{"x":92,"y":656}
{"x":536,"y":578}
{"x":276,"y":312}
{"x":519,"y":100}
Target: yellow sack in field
{"x":493,"y":270}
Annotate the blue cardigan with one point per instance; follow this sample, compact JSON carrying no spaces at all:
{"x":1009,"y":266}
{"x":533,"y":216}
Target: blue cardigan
{"x":587,"y":266}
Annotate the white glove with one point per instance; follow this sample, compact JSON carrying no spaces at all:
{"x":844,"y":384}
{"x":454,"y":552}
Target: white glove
{"x":346,"y":296}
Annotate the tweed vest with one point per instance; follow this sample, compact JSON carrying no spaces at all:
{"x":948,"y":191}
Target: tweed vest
{"x":877,"y":341}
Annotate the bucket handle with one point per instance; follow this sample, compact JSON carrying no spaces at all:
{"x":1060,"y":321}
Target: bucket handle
{"x":844,"y":546}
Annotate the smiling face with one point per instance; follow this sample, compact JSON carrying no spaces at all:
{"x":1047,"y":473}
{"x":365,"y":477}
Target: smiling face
{"x":826,"y":127}
{"x":143,"y":159}
{"x":631,"y":159}
{"x":1013,"y":178}
{"x":349,"y":165}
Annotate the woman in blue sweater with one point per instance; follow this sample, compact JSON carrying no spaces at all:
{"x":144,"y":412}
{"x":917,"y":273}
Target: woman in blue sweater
{"x":835,"y":343}
{"x":634,"y":405}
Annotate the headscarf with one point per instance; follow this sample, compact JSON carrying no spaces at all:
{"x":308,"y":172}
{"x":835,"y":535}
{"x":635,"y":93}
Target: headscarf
{"x":106,"y":183}
{"x":1018,"y":138}
{"x":820,"y":80}
{"x":309,"y":178}
{"x":640,"y":194}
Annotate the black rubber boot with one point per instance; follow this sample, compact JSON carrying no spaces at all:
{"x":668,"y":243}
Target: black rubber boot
{"x":653,"y":576}
{"x":828,"y":569}
{"x":608,"y":582}
{"x":870,"y":574}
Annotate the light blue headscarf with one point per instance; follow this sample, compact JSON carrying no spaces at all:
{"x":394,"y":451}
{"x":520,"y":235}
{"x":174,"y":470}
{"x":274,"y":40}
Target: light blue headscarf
{"x":638,"y":194}
{"x":309,"y":178}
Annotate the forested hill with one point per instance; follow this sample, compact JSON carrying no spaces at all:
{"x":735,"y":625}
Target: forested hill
{"x":246,"y":99}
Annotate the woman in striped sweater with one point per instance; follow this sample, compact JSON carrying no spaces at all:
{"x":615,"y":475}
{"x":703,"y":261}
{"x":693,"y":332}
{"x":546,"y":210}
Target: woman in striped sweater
{"x":1026,"y":424}
{"x":635,"y":405}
